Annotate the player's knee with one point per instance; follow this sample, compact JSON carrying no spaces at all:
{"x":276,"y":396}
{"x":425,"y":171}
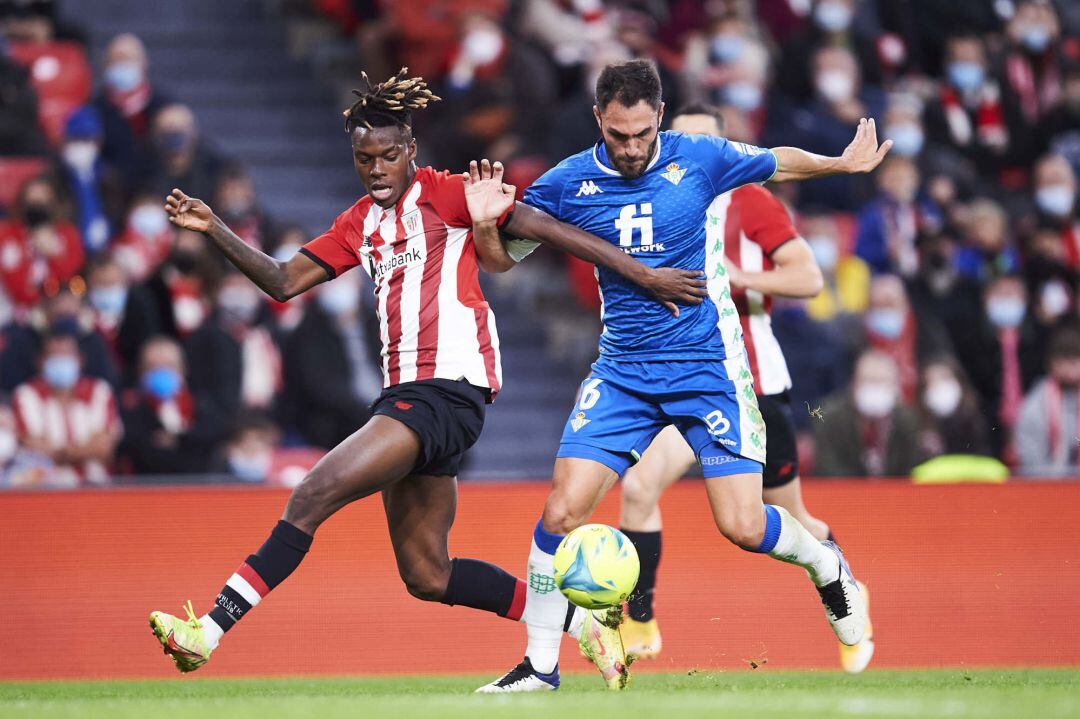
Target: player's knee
{"x":639,"y":495}
{"x":560,"y":515}
{"x":744,"y":529}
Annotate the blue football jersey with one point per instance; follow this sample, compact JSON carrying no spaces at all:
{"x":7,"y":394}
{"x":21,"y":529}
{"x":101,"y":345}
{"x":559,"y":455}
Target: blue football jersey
{"x":660,"y":219}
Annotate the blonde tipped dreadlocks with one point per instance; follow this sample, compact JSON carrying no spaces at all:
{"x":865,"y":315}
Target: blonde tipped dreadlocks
{"x":389,"y":103}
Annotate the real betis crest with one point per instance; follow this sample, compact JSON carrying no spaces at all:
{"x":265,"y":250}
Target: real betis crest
{"x":673,"y":173}
{"x":579,"y":421}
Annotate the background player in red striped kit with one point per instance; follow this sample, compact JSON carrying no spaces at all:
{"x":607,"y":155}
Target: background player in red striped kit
{"x":411,"y":233}
{"x":765,"y":256}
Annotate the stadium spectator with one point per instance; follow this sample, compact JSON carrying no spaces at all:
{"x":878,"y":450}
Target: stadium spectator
{"x":1051,"y":283}
{"x":951,"y":421}
{"x":180,"y":158}
{"x":331,"y":365}
{"x":893,"y":328}
{"x":832,"y":24}
{"x":145,"y":240}
{"x":29,"y":22}
{"x":1049,"y":421}
{"x":239,"y":365}
{"x":288,"y":315}
{"x":88,"y":179}
{"x":235,"y":199}
{"x":63,"y":313}
{"x":40,"y":249}
{"x":987,"y":250}
{"x":1060,"y":128}
{"x":847,"y":278}
{"x":67,"y":418}
{"x":182,"y":284}
{"x":127,"y":104}
{"x":939,"y":291}
{"x":889,"y":224}
{"x":124,"y":314}
{"x":248,"y":453}
{"x":20,"y":133}
{"x":969,"y":115}
{"x":169,"y":429}
{"x":1032,"y":72}
{"x":903,"y":124}
{"x":1054,"y":190}
{"x":824,"y":126}
{"x":867,"y":431}
{"x":9,"y":447}
{"x":732,"y":65}
{"x":1002,"y":354}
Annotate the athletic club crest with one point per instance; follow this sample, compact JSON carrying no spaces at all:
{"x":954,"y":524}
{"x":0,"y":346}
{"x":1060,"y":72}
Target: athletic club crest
{"x":673,"y":173}
{"x":411,"y":222}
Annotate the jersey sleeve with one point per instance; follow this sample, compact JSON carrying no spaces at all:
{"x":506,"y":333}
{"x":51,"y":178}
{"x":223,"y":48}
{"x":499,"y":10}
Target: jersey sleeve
{"x":764,"y":218}
{"x":447,"y":196}
{"x":335,"y":249}
{"x":546,"y":193}
{"x":731,"y":164}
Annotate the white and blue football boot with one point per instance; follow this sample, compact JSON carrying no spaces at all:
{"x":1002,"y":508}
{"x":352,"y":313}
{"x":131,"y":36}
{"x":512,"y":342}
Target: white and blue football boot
{"x":844,"y":605}
{"x":522,"y":678}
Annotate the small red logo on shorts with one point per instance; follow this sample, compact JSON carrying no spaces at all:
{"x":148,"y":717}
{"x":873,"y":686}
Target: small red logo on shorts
{"x":786,"y":469}
{"x":403,"y":405}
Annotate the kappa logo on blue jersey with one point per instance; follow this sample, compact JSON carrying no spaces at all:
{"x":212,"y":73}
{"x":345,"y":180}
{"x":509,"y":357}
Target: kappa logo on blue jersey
{"x":588,"y":188}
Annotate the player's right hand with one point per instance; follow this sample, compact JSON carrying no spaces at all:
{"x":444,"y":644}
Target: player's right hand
{"x":189,"y":213}
{"x":674,"y":287}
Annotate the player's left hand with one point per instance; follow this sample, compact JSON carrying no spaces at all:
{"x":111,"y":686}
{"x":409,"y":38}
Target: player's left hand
{"x":673,"y":287}
{"x":487,"y":197}
{"x":864,"y":154}
{"x":736,"y":277}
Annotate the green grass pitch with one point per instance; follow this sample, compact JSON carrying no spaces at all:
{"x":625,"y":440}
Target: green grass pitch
{"x":1008,"y":694}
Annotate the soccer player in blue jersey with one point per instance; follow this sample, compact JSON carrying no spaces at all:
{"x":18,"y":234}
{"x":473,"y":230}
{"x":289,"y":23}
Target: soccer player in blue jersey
{"x":647,"y":192}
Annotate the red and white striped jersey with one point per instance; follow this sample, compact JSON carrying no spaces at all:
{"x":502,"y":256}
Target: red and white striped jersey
{"x":433,"y":319}
{"x":754,"y":224}
{"x":41,"y":415}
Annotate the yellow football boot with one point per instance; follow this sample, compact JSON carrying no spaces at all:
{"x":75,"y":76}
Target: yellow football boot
{"x":602,"y":644}
{"x":856,"y":658}
{"x":182,"y":640}
{"x":641,"y":639}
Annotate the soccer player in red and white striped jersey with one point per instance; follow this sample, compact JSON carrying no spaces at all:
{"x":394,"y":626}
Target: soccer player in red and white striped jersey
{"x":765,"y":256}
{"x":411,"y":233}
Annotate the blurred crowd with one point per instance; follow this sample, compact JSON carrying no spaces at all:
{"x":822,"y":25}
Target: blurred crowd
{"x":948,"y":325}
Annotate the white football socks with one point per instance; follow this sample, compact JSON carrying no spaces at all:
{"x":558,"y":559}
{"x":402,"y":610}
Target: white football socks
{"x":212,"y":633}
{"x":796,"y":545}
{"x":545,"y":611}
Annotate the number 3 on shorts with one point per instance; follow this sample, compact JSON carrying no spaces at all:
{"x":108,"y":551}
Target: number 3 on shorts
{"x":590,"y":395}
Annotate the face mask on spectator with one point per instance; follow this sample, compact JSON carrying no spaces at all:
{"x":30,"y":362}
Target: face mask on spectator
{"x":109,"y":300}
{"x":1035,"y":39}
{"x":835,"y":85}
{"x":965,"y":75}
{"x":885,"y":322}
{"x":172,"y":141}
{"x":744,"y":95}
{"x":726,"y":46}
{"x":239,"y":303}
{"x":37,"y":214}
{"x":80,"y":155}
{"x":875,"y":400}
{"x":123,"y":76}
{"x":1055,"y":200}
{"x":825,"y":252}
{"x":832,"y":16}
{"x":250,"y":468}
{"x":338,"y":298}
{"x":162,"y":383}
{"x":1005,"y":312}
{"x":148,"y":221}
{"x":942,"y":397}
{"x":907,"y":138}
{"x":61,"y":371}
{"x":8,"y":445}
{"x":1054,"y":300}
{"x":482,"y":46}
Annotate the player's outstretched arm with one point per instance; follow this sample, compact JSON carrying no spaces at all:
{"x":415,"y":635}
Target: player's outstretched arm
{"x":862,"y":155}
{"x":670,"y":285}
{"x":280,"y":280}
